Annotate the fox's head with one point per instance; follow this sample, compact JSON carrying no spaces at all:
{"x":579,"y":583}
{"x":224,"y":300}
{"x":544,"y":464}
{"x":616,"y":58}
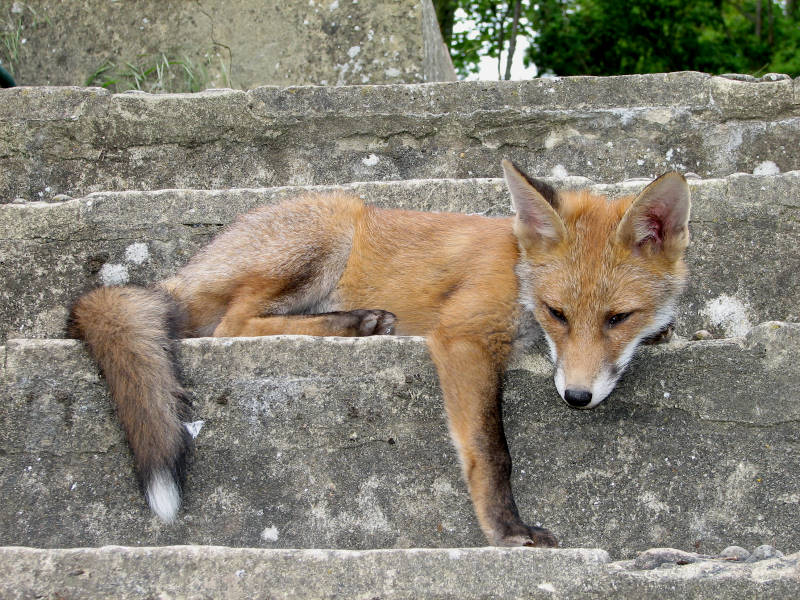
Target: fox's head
{"x":599,"y":275}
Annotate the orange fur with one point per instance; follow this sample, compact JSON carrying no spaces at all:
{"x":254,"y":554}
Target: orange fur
{"x":329,"y":265}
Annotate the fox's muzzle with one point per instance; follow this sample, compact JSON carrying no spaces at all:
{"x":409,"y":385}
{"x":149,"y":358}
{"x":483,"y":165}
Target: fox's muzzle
{"x":583,"y":394}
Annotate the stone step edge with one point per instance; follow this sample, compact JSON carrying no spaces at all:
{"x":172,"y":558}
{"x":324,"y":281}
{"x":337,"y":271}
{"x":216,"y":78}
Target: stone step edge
{"x":566,"y":182}
{"x":693,"y":89}
{"x":382,"y":193}
{"x":645,"y":560}
{"x":773,"y":336}
{"x":41,"y":377}
{"x":676,"y":342}
{"x":449,"y":572}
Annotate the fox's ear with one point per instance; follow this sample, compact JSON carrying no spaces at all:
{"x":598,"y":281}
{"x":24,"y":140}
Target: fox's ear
{"x":535,"y":203}
{"x":659,"y":216}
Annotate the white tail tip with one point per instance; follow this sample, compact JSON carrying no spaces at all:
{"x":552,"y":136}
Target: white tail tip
{"x":163,"y":496}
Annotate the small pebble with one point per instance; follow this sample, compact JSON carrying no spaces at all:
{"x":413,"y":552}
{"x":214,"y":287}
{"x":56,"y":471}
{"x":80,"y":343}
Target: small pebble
{"x":738,"y":76}
{"x":702,"y":334}
{"x":775,"y":77}
{"x":734,"y":553}
{"x":763,"y":553}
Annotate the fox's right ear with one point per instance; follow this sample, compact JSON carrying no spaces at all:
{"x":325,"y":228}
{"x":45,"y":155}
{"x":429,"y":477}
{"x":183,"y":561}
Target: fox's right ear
{"x":535,"y":203}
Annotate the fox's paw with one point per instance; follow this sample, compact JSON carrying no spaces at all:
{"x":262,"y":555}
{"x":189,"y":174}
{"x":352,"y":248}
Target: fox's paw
{"x":372,"y":322}
{"x":661,"y":337}
{"x":541,"y":538}
{"x":537,"y":537}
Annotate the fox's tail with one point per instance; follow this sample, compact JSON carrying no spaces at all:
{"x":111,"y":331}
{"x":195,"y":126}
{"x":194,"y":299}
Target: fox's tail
{"x":130,"y":332}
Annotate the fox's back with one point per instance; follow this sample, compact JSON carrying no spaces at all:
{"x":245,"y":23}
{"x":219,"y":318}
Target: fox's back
{"x":413,"y":263}
{"x":336,"y":253}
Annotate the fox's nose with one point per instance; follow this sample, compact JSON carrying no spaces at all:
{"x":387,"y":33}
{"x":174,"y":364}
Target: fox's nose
{"x":577,"y":397}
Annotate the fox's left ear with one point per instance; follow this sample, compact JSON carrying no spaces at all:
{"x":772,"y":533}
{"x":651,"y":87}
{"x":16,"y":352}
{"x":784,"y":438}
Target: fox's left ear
{"x":659,"y":217}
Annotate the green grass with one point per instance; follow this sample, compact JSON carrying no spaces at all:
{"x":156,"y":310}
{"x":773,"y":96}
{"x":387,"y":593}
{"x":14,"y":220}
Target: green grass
{"x":162,"y":72}
{"x":11,"y":43}
{"x":159,"y":73}
{"x":12,"y":29}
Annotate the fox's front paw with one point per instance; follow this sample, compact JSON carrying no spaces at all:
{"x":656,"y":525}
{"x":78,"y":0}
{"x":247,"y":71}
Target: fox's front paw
{"x":541,"y":538}
{"x":661,"y":337}
{"x":373,"y":322}
{"x":538,"y":537}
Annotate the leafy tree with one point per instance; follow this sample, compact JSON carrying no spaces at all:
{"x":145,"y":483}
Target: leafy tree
{"x":608,"y":37}
{"x":604,"y":37}
{"x":495,"y":31}
{"x":446,"y":15}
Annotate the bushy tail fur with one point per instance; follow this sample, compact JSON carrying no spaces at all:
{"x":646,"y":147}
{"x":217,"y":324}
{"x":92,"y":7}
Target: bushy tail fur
{"x":130,"y":333}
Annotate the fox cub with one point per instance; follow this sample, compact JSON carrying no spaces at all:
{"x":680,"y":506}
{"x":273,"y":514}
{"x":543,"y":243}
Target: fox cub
{"x":598,"y":276}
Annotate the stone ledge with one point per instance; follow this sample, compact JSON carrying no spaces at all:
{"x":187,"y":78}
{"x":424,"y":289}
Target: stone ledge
{"x":310,"y":443}
{"x":462,"y":573}
{"x":76,"y":141}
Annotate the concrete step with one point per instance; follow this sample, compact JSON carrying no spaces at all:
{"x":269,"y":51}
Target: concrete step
{"x":79,"y":140}
{"x":309,"y":443}
{"x":463,"y":573}
{"x":743,"y":259}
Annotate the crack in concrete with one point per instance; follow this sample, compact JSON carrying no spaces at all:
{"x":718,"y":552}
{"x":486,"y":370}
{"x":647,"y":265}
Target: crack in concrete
{"x":94,"y":240}
{"x":33,"y":453}
{"x":218,"y":43}
{"x":357,"y":445}
{"x":697,"y":415}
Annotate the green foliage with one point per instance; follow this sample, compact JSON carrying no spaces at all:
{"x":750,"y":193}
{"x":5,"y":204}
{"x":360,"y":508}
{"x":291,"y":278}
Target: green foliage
{"x":10,"y":44}
{"x":13,"y":23}
{"x":602,"y":37}
{"x":608,"y":37}
{"x":605,"y":37}
{"x":493,"y":29}
{"x":152,"y":74}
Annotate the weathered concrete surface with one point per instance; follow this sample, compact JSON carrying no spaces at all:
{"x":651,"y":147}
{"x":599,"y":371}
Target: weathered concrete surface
{"x":310,"y":443}
{"x":76,"y":141}
{"x":462,"y":573}
{"x":225,"y":43}
{"x":743,"y":258}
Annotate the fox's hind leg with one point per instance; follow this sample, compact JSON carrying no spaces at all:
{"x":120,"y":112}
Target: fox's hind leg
{"x":351,"y":323}
{"x":245,"y":317}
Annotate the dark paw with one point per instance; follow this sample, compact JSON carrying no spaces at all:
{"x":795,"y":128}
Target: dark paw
{"x":374,"y":322}
{"x":537,"y":537}
{"x":662,"y":337}
{"x":541,"y":538}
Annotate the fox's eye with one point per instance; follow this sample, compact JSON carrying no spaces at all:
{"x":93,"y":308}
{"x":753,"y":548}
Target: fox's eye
{"x":618,"y":318}
{"x":556,"y":314}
